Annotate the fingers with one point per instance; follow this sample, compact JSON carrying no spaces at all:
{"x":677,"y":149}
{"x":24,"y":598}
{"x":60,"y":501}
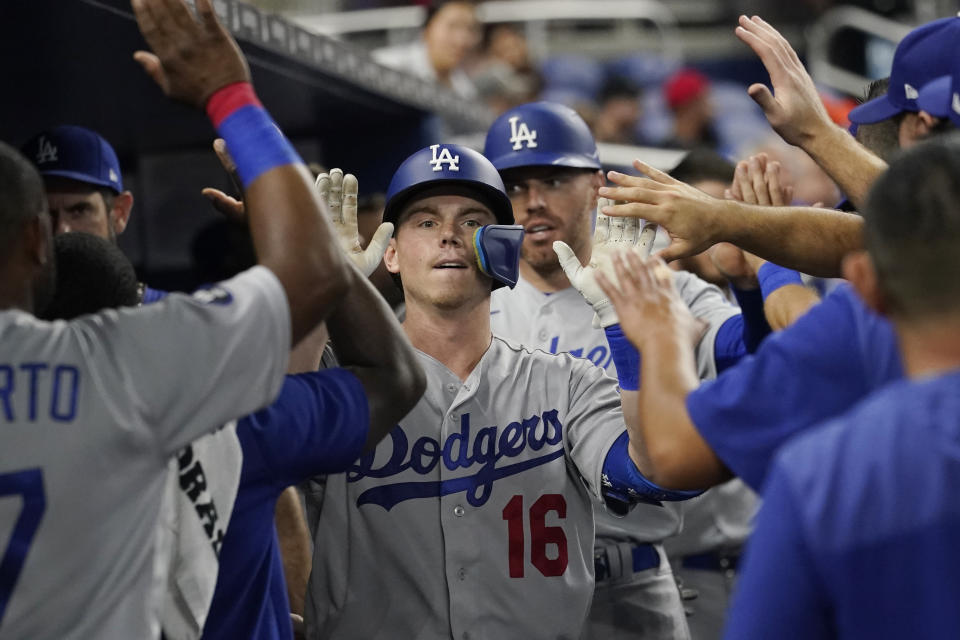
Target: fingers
{"x":378,"y":243}
{"x":226,"y":161}
{"x":601,"y":226}
{"x":631,"y":230}
{"x":762,"y":96}
{"x":231,"y":208}
{"x":617,"y":230}
{"x":647,"y":237}
{"x":322,"y":184}
{"x":335,"y":195}
{"x":640,"y":194}
{"x":676,"y":250}
{"x":741,"y":178}
{"x":654,"y":174}
{"x":147,"y":22}
{"x":350,"y":188}
{"x":207,"y":15}
{"x":151,"y":64}
{"x":756,"y":166}
{"x":177,"y":13}
{"x":636,"y":210}
{"x":772,"y":178}
{"x":568,"y":261}
{"x":625,"y":180}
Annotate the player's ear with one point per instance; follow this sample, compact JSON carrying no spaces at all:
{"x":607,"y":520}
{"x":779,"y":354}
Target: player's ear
{"x":390,"y":257}
{"x":858,"y":268}
{"x":122,"y":205}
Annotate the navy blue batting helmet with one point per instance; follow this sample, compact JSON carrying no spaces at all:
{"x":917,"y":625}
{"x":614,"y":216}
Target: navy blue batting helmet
{"x":447,"y":164}
{"x":538,"y":134}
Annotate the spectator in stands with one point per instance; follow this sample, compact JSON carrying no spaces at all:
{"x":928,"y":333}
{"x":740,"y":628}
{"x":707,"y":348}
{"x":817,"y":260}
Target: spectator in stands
{"x":506,"y":77}
{"x":450,"y":34}
{"x":618,"y":111}
{"x":687,"y":93}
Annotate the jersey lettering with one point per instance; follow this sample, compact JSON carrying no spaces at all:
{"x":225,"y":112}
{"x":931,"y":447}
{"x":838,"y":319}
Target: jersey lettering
{"x":488,"y":447}
{"x":39,"y":383}
{"x":445,"y":158}
{"x":599,"y":355}
{"x":193,"y":483}
{"x":520,"y":135}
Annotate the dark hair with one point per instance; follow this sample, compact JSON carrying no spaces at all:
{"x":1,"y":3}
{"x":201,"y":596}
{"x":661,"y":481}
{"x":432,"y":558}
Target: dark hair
{"x":912,"y":229}
{"x":703,"y":164}
{"x":882,"y":138}
{"x":92,"y":275}
{"x":435,"y":5}
{"x":22,"y":197}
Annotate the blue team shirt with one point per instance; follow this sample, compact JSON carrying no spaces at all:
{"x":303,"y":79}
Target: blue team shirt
{"x":317,"y":425}
{"x":831,"y":358}
{"x":858,"y":534}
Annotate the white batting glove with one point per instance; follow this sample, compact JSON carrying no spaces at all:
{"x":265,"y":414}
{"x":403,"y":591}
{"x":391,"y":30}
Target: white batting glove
{"x":339,"y":192}
{"x":610,"y":235}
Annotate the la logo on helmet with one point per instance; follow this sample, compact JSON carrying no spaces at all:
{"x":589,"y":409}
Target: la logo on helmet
{"x":522,"y":134}
{"x":444,"y":158}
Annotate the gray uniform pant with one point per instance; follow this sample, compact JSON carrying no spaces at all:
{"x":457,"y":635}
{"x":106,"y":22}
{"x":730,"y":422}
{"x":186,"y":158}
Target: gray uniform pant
{"x":643,"y":604}
{"x":714,"y":588}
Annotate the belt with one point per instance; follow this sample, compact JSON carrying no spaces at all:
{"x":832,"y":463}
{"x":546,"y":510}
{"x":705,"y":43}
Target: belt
{"x":643,"y":557}
{"x":711,"y":561}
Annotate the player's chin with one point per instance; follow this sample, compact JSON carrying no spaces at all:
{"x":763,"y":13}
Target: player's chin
{"x":540,"y":256}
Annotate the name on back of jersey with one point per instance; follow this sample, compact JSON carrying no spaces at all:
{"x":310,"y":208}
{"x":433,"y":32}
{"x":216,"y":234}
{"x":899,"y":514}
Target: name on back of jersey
{"x":538,"y":440}
{"x":39,"y":390}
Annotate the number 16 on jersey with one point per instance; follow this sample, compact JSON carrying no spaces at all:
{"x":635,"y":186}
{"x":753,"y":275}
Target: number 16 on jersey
{"x":542,"y":538}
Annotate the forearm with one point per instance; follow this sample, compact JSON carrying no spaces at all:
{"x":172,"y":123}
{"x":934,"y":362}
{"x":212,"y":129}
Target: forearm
{"x":370,"y":343}
{"x":851,"y":165}
{"x":678,"y":458}
{"x":807,"y":239}
{"x":295,"y":548}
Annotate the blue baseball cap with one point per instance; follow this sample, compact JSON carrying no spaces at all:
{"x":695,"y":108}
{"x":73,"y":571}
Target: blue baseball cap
{"x":76,"y":153}
{"x":941,"y":97}
{"x":922,"y":56}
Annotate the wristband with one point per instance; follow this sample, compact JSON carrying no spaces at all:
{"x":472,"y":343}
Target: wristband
{"x":773,"y":276}
{"x":253,"y":139}
{"x":625,"y":357}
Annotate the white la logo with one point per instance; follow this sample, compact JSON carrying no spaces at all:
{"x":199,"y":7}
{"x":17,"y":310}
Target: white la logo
{"x":451,"y":161}
{"x":910,"y":92}
{"x":46,"y":152}
{"x":521,"y":134}
{"x":956,"y":103}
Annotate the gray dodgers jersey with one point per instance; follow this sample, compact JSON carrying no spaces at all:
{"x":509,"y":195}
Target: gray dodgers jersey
{"x":90,"y":413}
{"x":473,"y":518}
{"x":562,"y":322}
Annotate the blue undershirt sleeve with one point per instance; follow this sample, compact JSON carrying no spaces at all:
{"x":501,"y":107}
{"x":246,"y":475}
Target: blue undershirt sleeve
{"x":318,"y":424}
{"x":755,"y":325}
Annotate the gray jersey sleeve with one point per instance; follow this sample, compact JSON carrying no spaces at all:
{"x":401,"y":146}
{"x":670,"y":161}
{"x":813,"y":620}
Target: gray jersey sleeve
{"x":594,"y":418}
{"x":234,"y":338}
{"x":706,"y":302}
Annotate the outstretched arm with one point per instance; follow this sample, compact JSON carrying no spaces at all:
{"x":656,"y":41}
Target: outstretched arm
{"x":195,"y":60}
{"x":795,"y":111}
{"x":656,"y":321}
{"x":807,"y":239}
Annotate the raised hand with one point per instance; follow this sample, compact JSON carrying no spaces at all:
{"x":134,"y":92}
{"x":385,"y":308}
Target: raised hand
{"x":192,"y":56}
{"x":339,"y":192}
{"x":758,"y":180}
{"x":229,"y":206}
{"x":794,"y":109}
{"x":688,"y":214}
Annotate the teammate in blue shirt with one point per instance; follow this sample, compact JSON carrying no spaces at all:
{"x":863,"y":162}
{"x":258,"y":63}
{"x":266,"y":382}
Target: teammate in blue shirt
{"x":857,"y":536}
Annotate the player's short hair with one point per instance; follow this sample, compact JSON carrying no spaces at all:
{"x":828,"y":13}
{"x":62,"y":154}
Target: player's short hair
{"x":22,"y":196}
{"x":882,"y":138}
{"x":701,"y":165}
{"x":92,"y":275}
{"x":912,"y":229}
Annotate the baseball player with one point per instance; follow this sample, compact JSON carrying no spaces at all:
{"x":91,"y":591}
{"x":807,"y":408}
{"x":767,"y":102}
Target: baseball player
{"x":856,"y":538}
{"x":320,"y":423}
{"x":84,"y":186}
{"x":87,"y":567}
{"x":549,"y":163}
{"x":474,"y":518}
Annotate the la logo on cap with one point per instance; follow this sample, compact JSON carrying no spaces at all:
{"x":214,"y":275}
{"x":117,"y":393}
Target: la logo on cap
{"x":46,"y":151}
{"x":444,"y":158}
{"x":910,"y":92}
{"x":520,"y":135}
{"x":113,"y":176}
